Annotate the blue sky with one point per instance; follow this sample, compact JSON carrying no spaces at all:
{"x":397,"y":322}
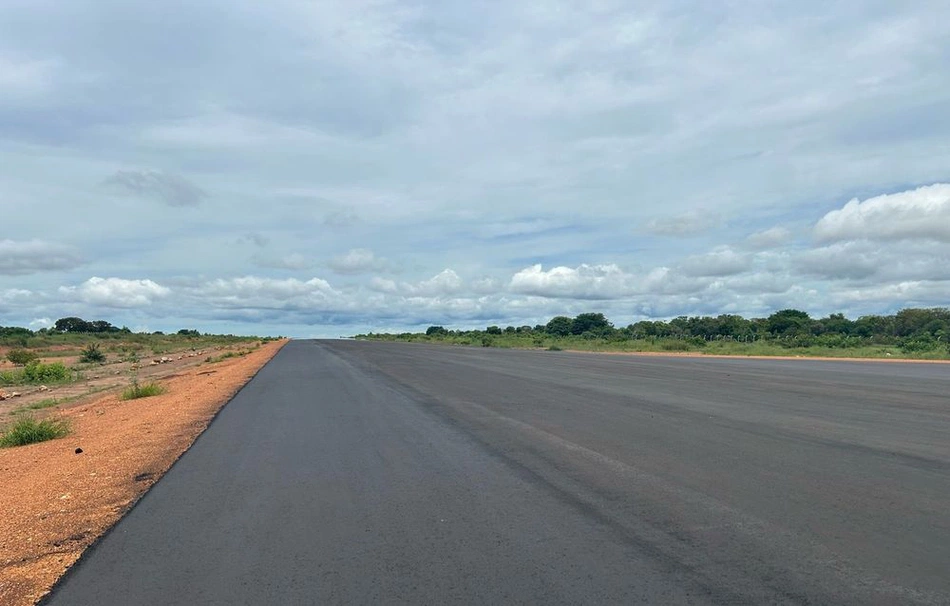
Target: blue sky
{"x":324,"y":168}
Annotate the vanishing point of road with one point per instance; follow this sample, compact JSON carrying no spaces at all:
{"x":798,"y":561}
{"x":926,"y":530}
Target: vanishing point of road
{"x":362,"y":473}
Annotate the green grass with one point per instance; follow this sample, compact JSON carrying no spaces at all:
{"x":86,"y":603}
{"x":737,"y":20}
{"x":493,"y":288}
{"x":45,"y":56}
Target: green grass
{"x":47,"y":403}
{"x":763,"y":347}
{"x":27,"y":430}
{"x":135,"y":391}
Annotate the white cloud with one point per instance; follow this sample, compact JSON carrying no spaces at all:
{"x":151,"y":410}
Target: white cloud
{"x":446,"y":282}
{"x":38,"y":323}
{"x":583,"y":282}
{"x":769,"y":238}
{"x":722,"y":261}
{"x":920,"y":213}
{"x":254,"y":290}
{"x":116,"y":292}
{"x":31,"y":256}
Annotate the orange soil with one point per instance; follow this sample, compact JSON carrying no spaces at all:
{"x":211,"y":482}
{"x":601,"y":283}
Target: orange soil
{"x":56,"y":502}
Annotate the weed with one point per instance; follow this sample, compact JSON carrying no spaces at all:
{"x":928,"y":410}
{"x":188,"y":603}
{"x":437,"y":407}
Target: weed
{"x":555,"y":348}
{"x":92,"y":355}
{"x":27,"y":430}
{"x":135,"y":391}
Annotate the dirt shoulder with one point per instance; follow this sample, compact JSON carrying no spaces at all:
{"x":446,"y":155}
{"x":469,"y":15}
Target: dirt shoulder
{"x":56,"y":502}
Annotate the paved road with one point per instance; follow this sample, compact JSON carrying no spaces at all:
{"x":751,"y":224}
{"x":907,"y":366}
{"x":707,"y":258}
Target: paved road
{"x":358,"y":473}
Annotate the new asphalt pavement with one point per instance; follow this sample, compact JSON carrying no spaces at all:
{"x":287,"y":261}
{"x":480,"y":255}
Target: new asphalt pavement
{"x":367,"y":473}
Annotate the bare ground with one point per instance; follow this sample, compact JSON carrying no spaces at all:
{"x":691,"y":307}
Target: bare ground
{"x":56,"y":501}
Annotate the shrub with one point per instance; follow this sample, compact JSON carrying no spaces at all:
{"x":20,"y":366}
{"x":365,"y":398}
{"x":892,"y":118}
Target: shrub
{"x":554,"y":348}
{"x":27,"y":430}
{"x":37,"y":372}
{"x":135,"y":391}
{"x":92,"y":355}
{"x":21,"y":357}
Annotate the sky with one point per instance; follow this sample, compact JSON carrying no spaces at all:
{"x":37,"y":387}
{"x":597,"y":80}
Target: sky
{"x":325,"y":168}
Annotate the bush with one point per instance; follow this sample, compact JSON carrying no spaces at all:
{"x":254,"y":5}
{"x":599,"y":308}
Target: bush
{"x":27,"y":430}
{"x":21,"y":357}
{"x":136,"y":391}
{"x":92,"y":355}
{"x":36,"y":372}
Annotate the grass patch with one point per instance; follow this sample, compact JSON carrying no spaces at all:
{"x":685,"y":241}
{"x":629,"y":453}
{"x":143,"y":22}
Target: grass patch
{"x":135,"y":391}
{"x":47,"y":403}
{"x":37,"y":372}
{"x":27,"y":430}
{"x":555,"y":348}
{"x":228,"y":355}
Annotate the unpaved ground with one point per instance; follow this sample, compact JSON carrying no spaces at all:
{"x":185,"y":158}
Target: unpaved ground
{"x":115,"y":373}
{"x":56,"y":502}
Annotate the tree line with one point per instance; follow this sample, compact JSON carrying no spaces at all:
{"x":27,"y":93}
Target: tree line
{"x":909,"y":328}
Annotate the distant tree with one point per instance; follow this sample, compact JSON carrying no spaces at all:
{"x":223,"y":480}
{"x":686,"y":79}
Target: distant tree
{"x":189,"y":332}
{"x":590,"y":322}
{"x":789,"y":322}
{"x":101,"y":326}
{"x":72,"y":324}
{"x":436,"y":330}
{"x":559,"y":326}
{"x":493,"y":330}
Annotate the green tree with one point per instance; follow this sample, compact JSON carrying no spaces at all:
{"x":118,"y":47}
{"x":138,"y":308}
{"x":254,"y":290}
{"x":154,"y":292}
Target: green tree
{"x":590,"y":322}
{"x":789,"y":322}
{"x":559,"y":326}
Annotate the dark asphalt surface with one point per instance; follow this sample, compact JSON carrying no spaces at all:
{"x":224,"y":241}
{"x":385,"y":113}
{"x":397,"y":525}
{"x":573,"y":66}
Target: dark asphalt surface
{"x":362,"y":473}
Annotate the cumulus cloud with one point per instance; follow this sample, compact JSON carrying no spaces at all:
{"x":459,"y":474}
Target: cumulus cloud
{"x":172,"y":190}
{"x":722,"y":261}
{"x":255,"y":291}
{"x":358,"y":261}
{"x":687,"y":224}
{"x":31,"y":256}
{"x":920,"y":213}
{"x":582,"y":282}
{"x":116,"y":292}
{"x":769,"y":238}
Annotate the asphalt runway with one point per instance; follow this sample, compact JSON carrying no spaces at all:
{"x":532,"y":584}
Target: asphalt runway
{"x":366,"y":473}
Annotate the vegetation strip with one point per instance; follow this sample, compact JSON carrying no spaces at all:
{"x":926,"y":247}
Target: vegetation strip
{"x":910,"y":333}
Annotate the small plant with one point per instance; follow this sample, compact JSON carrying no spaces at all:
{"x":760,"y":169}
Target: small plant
{"x":92,"y":355}
{"x":554,"y":348}
{"x":27,"y":430}
{"x":135,"y":391}
{"x":21,"y":357}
